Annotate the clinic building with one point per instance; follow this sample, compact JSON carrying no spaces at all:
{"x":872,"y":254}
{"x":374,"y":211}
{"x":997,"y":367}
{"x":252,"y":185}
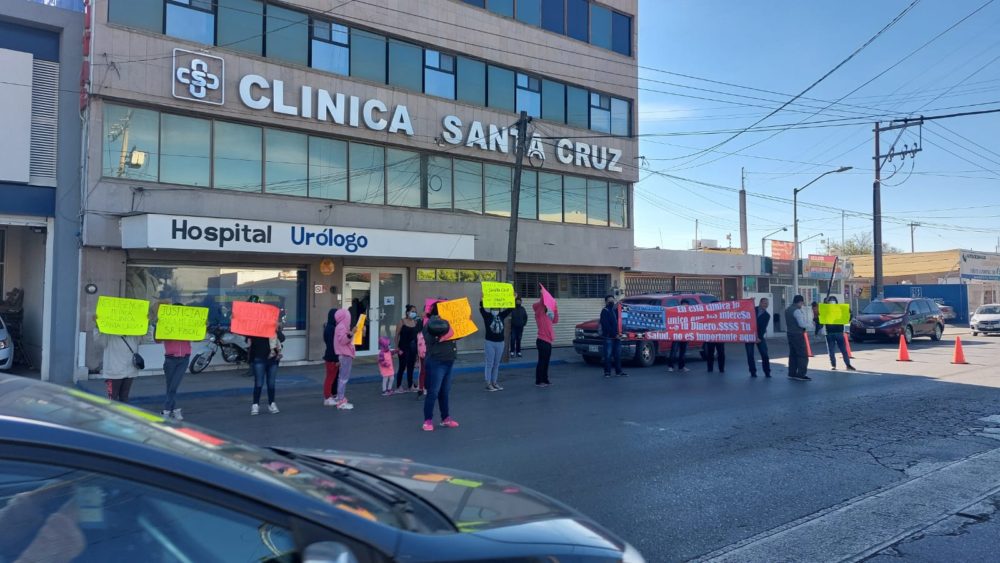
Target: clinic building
{"x":358,"y":156}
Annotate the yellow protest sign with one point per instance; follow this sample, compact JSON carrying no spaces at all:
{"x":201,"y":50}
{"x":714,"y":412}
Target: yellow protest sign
{"x":176,"y":322}
{"x":498,"y":295}
{"x":458,"y":313}
{"x":359,"y":329}
{"x":124,"y":317}
{"x":834,"y":314}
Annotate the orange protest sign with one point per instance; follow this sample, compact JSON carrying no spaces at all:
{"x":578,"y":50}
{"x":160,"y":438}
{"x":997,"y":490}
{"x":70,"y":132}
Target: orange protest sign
{"x":254,"y":319}
{"x":458,"y":313}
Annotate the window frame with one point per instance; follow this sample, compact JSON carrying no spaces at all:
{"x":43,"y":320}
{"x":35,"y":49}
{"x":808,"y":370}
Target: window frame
{"x":331,"y":41}
{"x":453,"y":72}
{"x":190,"y":5}
{"x":529,"y":78}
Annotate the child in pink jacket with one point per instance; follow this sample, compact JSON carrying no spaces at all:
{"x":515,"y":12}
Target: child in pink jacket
{"x":385,"y":365}
{"x":343,"y":345}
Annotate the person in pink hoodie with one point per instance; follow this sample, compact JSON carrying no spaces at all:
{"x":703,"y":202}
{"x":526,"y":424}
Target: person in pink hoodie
{"x":544,"y":319}
{"x":343,"y":345}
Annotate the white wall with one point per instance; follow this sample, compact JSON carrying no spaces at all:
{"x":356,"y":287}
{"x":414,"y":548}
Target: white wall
{"x":15,"y":114}
{"x":655,"y":260}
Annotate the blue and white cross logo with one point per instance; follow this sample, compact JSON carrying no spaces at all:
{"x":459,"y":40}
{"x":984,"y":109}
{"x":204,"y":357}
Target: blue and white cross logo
{"x":199,"y":77}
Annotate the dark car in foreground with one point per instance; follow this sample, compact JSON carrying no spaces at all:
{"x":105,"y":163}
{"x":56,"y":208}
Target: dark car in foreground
{"x":589,"y":344}
{"x":86,"y":479}
{"x":889,"y":318}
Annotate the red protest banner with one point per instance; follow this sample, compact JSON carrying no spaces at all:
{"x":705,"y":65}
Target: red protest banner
{"x":724,"y":321}
{"x":254,"y":319}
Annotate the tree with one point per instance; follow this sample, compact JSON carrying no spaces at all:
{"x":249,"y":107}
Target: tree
{"x":858,"y":244}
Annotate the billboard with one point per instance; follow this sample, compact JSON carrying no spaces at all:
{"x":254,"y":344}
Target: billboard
{"x":782,"y":250}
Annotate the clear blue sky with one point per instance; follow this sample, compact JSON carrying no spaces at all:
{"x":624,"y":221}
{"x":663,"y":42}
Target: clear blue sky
{"x":783,"y":46}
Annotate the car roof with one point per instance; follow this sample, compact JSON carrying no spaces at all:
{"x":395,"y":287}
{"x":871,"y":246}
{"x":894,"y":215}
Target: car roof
{"x":669,"y":294}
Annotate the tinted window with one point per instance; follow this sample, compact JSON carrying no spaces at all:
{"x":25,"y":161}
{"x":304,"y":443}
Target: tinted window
{"x":600,"y":26}
{"x":553,"y":101}
{"x":578,"y":19}
{"x":529,"y":95}
{"x":550,"y":197}
{"x":471,"y":81}
{"x":140,"y":128}
{"x":143,"y":14}
{"x":553,"y":18}
{"x":367,"y":182}
{"x":406,"y":66}
{"x":403,"y":172}
{"x":708,"y":299}
{"x":988,"y":310}
{"x":618,"y":199}
{"x":527,"y":207}
{"x":600,"y":112}
{"x":884,"y":308}
{"x":193,"y":21}
{"x":287,"y":35}
{"x":186,"y":146}
{"x":327,"y":168}
{"x":439,"y":74}
{"x":469,"y":186}
{"x":621,"y":34}
{"x":502,"y":7}
{"x":438,"y":182}
{"x":575,"y":199}
{"x":367,"y":56}
{"x":620,"y":117}
{"x":577,"y":107}
{"x":330,"y":48}
{"x":477,"y":3}
{"x":597,"y":202}
{"x":287,"y":167}
{"x":498,"y":189}
{"x":671,"y":303}
{"x":241,"y":25}
{"x":237,"y":162}
{"x":688,"y":301}
{"x":925,"y":307}
{"x":501,"y":88}
{"x":530,"y":11}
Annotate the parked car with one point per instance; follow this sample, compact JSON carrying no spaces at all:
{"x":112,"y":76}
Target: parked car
{"x":986,"y":320}
{"x":947,"y":310}
{"x":86,"y":479}
{"x":589,"y":344}
{"x":6,"y":347}
{"x":890,"y":318}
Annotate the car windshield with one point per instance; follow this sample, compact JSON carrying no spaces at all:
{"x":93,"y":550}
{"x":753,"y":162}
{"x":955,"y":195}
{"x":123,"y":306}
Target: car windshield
{"x":77,"y":409}
{"x":708,"y":299}
{"x":989,"y":310}
{"x":884,"y":308}
{"x":641,"y":301}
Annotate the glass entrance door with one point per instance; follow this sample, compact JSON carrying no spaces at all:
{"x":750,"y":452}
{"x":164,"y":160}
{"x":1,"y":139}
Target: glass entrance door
{"x":379,"y":293}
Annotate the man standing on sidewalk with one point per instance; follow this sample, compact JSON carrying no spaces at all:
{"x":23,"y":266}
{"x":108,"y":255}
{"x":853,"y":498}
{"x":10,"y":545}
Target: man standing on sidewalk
{"x":835,"y":339}
{"x":763,"y":318}
{"x":609,"y":332}
{"x":797,"y":332}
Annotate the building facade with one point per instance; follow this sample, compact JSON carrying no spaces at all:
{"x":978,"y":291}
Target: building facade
{"x":357,"y":156}
{"x":41,"y":54}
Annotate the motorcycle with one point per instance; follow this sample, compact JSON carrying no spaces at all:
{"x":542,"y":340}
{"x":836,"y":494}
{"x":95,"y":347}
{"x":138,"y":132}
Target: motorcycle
{"x":233,"y":347}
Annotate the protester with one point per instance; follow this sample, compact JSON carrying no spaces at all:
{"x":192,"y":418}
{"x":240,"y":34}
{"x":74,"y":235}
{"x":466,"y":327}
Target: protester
{"x":406,"y":345}
{"x":176,"y":354}
{"x":422,"y":354}
{"x":677,"y":357}
{"x":441,"y":356}
{"x":608,"y":329}
{"x":265,"y":353}
{"x":835,"y":339}
{"x":546,"y":335}
{"x":343,"y":345}
{"x":815,"y":313}
{"x":713,"y":351}
{"x":797,"y":332}
{"x":118,"y":365}
{"x":330,"y":358}
{"x":518,"y":320}
{"x":493,"y":332}
{"x":763,"y":318}
{"x":385,"y":366}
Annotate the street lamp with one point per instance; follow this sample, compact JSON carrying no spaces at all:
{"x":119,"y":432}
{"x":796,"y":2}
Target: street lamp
{"x":803,"y":241}
{"x":766,"y":238}
{"x":795,"y":223}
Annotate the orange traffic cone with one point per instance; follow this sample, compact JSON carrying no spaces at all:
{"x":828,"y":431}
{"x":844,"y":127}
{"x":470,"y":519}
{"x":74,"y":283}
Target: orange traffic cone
{"x":847,"y":345}
{"x":959,"y":356}
{"x":809,"y":350}
{"x":904,"y":352}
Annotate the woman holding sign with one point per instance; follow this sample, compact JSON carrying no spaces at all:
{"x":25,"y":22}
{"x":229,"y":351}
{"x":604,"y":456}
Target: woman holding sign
{"x":265,"y":353}
{"x":441,"y":356}
{"x":343,"y":345}
{"x":119,"y":365}
{"x":835,"y":339}
{"x":544,"y":318}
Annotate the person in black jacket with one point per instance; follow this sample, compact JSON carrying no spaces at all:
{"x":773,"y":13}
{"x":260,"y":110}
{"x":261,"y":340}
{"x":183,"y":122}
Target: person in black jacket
{"x":493,"y":346}
{"x":609,"y":332}
{"x":441,"y":356}
{"x":763,"y":318}
{"x":835,"y":339}
{"x":518,"y":320}
{"x":265,"y":353}
{"x":331,"y":359}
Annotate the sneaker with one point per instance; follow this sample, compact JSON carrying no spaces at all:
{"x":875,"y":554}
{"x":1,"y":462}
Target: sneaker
{"x":512,"y":354}
{"x":490,"y":387}
{"x":767,"y":375}
{"x":833,"y":367}
{"x":851,"y":368}
{"x":542,"y":384}
{"x":413,"y":389}
{"x":385,"y":393}
{"x":623,"y":374}
{"x":607,"y":376}
{"x":428,"y":426}
{"x":449,"y":423}
{"x":329,"y":402}
{"x":420,"y":393}
{"x":753,"y":375}
{"x":497,"y":387}
{"x":176,"y":413}
{"x":670,"y":370}
{"x":273,"y":408}
{"x":254,"y":410}
{"x":519,"y":355}
{"x":344,"y":405}
{"x":685,"y":369}
{"x":165,"y":414}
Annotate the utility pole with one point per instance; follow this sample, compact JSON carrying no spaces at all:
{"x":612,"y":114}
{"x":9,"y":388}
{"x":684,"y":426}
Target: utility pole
{"x":880,"y":159}
{"x":913,"y":227}
{"x":743,"y":211}
{"x":515,"y":194}
{"x":843,"y":221}
{"x":697,"y":243}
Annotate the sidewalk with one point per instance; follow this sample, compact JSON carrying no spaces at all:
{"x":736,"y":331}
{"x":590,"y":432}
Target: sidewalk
{"x":149,"y":390}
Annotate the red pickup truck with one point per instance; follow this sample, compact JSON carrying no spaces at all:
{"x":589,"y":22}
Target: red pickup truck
{"x":642,"y":352}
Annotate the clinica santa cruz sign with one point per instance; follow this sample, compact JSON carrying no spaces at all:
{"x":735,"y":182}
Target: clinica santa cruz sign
{"x":259,"y":93}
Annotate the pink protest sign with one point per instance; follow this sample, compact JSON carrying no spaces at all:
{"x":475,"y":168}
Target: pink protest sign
{"x":548,"y":300}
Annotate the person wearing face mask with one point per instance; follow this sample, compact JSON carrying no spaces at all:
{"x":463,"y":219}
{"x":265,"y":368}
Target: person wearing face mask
{"x":493,"y":322}
{"x":609,"y":332}
{"x":518,"y":320}
{"x":544,"y":319}
{"x":406,"y":344}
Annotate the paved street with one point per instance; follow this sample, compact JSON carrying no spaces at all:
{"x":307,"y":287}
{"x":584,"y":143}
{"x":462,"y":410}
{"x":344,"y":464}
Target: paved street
{"x":691,"y":465}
